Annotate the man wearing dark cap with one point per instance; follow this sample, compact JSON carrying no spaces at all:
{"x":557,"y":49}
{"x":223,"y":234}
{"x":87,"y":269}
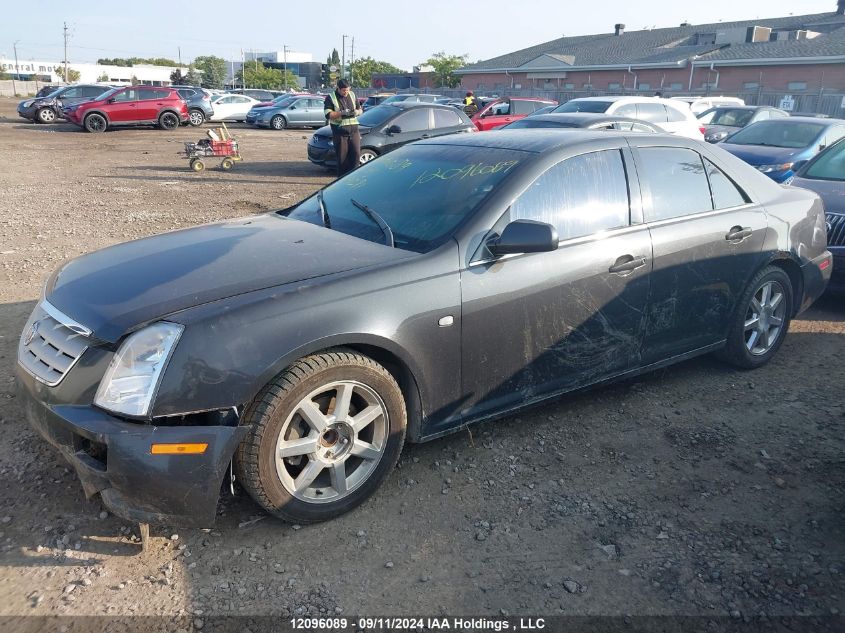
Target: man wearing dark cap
{"x":341,"y":110}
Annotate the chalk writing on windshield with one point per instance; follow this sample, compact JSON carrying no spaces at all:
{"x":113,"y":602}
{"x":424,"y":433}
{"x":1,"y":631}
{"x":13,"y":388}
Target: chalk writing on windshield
{"x":469,"y":171}
{"x":394,"y":164}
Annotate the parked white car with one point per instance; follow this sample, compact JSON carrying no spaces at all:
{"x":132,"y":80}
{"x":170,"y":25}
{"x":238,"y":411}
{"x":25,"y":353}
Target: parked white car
{"x":701,"y":104}
{"x":671,"y":116}
{"x":232,"y":107}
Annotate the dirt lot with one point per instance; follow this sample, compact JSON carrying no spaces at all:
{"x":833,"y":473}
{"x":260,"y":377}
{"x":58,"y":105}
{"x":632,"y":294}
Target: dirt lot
{"x":698,"y":490}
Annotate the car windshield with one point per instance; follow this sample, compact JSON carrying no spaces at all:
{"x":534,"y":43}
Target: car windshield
{"x":733,"y":117}
{"x":577,"y":105}
{"x":378,"y":115}
{"x":777,"y":134}
{"x":423,"y":192}
{"x":830,"y":165}
{"x":109,"y":92}
{"x":528,"y":122}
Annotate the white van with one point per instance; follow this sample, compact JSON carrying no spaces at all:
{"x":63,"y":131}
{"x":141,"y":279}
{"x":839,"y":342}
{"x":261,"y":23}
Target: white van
{"x":670,"y":116}
{"x":700,"y":104}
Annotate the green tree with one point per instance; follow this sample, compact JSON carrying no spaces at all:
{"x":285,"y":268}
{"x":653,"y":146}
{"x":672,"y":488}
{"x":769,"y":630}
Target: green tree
{"x":192,"y":78}
{"x":4,"y":75}
{"x":264,"y":77}
{"x":334,"y":58}
{"x":361,"y":70}
{"x":213,"y":71}
{"x":103,"y":77}
{"x":177,"y":78}
{"x":72,"y":75}
{"x":444,"y":69}
{"x":133,"y":61}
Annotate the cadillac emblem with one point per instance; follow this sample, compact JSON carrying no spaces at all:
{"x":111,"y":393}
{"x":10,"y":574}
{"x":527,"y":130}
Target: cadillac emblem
{"x":33,"y":330}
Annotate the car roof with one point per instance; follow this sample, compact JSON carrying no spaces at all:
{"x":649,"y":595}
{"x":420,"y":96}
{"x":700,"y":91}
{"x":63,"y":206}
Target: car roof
{"x":585,"y":117}
{"x":407,"y":105}
{"x":537,"y":140}
{"x":806,"y":119}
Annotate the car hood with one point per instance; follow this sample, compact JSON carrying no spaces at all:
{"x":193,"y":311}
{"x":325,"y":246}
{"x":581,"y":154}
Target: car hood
{"x":762,"y":155}
{"x":832,"y":192}
{"x":119,"y":288}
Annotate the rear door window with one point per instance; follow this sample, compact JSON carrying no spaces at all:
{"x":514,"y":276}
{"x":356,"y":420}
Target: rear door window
{"x":725,"y":192}
{"x":93,"y":91}
{"x":675,"y":115}
{"x":412,"y":121}
{"x":653,"y":112}
{"x":522,"y":107}
{"x":675,"y":179}
{"x":629,"y":110}
{"x":579,"y":196}
{"x":446,"y":118}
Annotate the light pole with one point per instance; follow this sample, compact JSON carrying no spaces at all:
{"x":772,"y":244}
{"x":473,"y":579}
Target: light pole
{"x":285,"y":52}
{"x":17,"y":68}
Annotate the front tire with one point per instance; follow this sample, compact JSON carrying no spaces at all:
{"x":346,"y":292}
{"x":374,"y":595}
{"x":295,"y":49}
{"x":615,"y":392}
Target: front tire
{"x":196,"y":117}
{"x":95,"y":123}
{"x":278,"y":122}
{"x":761,"y":320}
{"x":168,"y":121}
{"x":45,"y":115}
{"x":367,"y":155}
{"x":323,"y":436}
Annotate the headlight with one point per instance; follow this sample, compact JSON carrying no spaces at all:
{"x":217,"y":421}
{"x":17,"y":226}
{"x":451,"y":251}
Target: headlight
{"x":132,"y":377}
{"x":715,"y":136}
{"x":26,"y":104}
{"x":767,"y":169}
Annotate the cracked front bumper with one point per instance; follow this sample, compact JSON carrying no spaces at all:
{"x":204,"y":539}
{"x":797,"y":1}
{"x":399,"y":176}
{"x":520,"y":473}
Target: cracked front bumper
{"x":113,"y":459}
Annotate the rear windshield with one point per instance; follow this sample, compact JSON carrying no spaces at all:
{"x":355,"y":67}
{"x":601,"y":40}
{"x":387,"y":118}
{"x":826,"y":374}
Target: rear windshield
{"x":577,"y":105}
{"x":734,"y":117}
{"x":777,"y":134}
{"x":830,"y":165}
{"x":423,"y":193}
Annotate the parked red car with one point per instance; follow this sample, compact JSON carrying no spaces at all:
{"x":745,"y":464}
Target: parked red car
{"x":132,"y":105}
{"x":504,"y":111}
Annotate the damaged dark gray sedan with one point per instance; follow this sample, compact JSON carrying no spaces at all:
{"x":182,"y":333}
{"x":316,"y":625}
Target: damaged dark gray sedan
{"x":452,"y":281}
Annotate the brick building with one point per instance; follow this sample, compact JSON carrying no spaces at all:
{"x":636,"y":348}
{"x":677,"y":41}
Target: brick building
{"x":802,"y":56}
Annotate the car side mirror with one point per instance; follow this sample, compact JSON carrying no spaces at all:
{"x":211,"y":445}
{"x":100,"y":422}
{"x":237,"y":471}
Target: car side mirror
{"x":822,"y":146}
{"x":798,"y":164}
{"x":111,"y":100}
{"x":394,"y":129}
{"x":293,"y":107}
{"x":524,"y":236}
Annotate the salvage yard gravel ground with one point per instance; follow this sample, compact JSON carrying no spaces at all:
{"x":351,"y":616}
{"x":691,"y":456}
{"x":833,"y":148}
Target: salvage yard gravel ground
{"x":697,"y":490}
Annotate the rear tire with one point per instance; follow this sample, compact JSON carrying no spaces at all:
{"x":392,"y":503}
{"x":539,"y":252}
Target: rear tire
{"x":168,"y":121}
{"x":323,"y":436}
{"x":761,"y":320}
{"x":197,"y":164}
{"x":227,"y":164}
{"x":367,"y":155}
{"x":95,"y":123}
{"x":196,"y":117}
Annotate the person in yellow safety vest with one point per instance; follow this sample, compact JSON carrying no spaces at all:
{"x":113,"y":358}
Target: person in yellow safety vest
{"x":341,"y":110}
{"x":470,"y":104}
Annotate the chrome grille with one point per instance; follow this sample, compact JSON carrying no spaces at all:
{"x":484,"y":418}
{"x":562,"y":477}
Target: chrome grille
{"x":835,"y":230}
{"x":50,"y":344}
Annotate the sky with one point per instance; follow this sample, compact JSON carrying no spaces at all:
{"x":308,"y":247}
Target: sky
{"x":404,"y":33}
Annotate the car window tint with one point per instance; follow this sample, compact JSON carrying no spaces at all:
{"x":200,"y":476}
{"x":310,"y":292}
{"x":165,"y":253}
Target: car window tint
{"x":676,"y":181}
{"x":92,"y":91}
{"x":186,"y":93}
{"x":126,"y":95}
{"x":522,"y":107}
{"x":446,"y":118}
{"x":629,"y":109}
{"x":654,"y":112}
{"x":315,"y":103}
{"x":675,"y":115}
{"x":500,"y":109}
{"x":71,"y":92}
{"x":640,"y":127}
{"x":725,"y":192}
{"x":828,"y":166}
{"x":579,"y":196}
{"x":413,"y":120}
{"x":240,"y":100}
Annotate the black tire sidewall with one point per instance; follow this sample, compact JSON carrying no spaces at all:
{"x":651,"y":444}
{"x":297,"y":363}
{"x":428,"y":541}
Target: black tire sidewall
{"x":165,"y":116}
{"x":736,"y":350}
{"x":282,"y":502}
{"x":91,"y":117}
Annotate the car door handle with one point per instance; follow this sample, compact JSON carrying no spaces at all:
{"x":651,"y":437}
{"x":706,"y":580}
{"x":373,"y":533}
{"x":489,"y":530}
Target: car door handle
{"x":627,"y":264}
{"x":425,"y":135}
{"x":738,"y":233}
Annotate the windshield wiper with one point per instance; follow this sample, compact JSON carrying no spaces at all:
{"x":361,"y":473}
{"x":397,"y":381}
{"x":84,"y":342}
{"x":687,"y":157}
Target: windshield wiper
{"x":375,"y":217}
{"x":324,"y":215}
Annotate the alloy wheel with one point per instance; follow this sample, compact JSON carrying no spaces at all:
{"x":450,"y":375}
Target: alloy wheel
{"x":764,"y":318}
